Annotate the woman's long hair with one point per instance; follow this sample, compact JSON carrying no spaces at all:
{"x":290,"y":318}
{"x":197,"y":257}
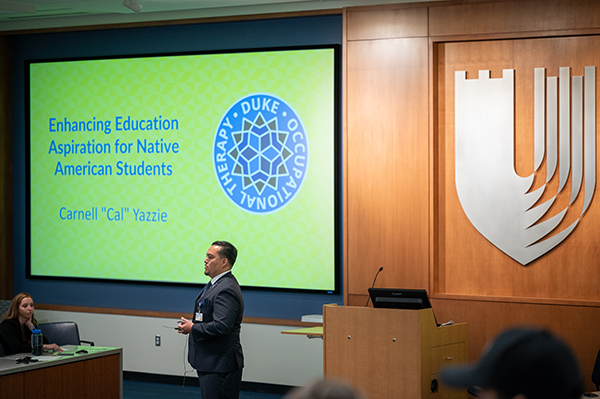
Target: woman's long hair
{"x":13,"y":311}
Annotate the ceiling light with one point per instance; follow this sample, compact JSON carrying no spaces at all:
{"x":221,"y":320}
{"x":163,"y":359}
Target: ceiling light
{"x":133,"y":5}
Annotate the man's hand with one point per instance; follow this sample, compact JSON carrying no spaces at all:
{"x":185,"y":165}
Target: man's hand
{"x":185,"y":326}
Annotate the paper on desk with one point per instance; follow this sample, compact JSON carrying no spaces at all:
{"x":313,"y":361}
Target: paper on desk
{"x":45,"y":358}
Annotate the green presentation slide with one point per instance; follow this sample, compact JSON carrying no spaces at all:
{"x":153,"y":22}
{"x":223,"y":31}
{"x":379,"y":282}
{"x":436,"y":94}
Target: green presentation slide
{"x":138,"y":164}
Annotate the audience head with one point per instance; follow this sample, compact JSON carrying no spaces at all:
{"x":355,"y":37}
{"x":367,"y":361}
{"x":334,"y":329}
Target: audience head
{"x":13,"y":311}
{"x":325,"y":389}
{"x":521,"y":363}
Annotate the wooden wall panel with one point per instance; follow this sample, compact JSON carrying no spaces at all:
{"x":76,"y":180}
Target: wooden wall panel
{"x":6,"y":181}
{"x":471,"y":281}
{"x":519,"y":17}
{"x":569,"y":271}
{"x":387,"y":172}
{"x":386,"y":23}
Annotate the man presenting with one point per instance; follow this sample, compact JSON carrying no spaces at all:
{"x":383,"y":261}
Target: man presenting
{"x":215,"y":349}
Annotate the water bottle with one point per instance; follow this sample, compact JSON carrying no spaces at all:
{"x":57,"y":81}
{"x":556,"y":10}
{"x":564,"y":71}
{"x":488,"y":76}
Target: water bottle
{"x":37,"y":342}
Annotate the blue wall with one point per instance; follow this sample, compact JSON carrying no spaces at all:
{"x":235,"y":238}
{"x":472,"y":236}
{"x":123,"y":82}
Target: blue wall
{"x":154,"y":40}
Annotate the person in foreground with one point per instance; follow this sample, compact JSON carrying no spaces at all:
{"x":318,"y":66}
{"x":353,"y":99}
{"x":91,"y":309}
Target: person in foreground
{"x":325,"y":389}
{"x":16,"y":326}
{"x":214,"y":332}
{"x":521,"y":363}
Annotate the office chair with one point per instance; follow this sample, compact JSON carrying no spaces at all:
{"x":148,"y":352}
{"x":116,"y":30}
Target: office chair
{"x":596,"y":372}
{"x":62,"y":333}
{"x":4,"y":306}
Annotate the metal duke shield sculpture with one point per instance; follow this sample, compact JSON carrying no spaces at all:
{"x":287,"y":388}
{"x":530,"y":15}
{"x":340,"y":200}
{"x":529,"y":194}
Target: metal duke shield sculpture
{"x":501,"y":204}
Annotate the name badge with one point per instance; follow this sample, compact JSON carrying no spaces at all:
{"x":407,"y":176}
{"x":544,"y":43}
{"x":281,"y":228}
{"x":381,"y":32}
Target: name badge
{"x":198,"y":316}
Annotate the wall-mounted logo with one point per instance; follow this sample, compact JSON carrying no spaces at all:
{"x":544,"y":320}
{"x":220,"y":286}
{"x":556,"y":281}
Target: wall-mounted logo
{"x":260,"y":153}
{"x":501,"y":204}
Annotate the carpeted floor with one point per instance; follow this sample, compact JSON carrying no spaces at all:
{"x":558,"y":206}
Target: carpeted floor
{"x":152,"y":390}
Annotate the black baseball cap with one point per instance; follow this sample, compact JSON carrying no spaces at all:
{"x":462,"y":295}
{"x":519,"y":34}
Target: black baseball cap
{"x":525,"y":361}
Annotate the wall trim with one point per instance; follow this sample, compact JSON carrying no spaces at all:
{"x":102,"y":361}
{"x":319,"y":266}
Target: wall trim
{"x":163,"y":314}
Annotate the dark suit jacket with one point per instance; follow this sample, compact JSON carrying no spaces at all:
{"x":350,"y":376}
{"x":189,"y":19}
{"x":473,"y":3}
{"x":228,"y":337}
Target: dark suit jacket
{"x":215,"y":345}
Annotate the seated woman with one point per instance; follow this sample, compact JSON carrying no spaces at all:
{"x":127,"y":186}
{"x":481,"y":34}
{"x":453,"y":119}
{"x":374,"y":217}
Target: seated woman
{"x":16,"y":326}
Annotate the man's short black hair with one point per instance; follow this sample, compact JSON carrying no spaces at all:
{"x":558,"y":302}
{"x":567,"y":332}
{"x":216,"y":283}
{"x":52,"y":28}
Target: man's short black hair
{"x":227,"y":250}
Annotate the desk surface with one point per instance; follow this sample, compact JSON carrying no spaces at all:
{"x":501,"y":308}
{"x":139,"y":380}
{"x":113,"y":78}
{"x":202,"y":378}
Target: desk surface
{"x":309,"y":331}
{"x":9,"y":365}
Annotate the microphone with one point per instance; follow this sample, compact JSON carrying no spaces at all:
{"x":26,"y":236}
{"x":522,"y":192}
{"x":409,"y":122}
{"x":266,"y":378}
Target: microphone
{"x":375,"y":279}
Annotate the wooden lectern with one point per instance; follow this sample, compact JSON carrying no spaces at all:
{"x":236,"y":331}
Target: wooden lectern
{"x":391,"y":353}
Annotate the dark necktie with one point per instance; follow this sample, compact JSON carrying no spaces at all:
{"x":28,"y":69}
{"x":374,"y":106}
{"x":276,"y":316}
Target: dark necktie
{"x":206,"y":287}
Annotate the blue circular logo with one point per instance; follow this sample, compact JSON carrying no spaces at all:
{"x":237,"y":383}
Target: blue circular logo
{"x":260,"y":153}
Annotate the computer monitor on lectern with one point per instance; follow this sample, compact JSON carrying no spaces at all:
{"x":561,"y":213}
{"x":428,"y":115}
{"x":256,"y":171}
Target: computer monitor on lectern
{"x":399,"y":298}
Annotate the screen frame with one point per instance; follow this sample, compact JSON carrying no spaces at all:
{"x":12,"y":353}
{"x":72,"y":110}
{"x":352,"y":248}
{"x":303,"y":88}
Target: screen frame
{"x":337,"y":166}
